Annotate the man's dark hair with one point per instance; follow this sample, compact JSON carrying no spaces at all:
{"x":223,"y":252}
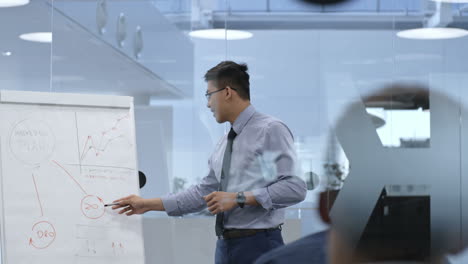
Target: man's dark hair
{"x":229,"y":73}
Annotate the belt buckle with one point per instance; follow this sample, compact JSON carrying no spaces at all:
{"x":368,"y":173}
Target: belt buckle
{"x":231,"y":234}
{"x":228,"y":234}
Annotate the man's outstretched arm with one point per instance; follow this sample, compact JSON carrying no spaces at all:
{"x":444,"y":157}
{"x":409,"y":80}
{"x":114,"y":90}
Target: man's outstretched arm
{"x":134,"y":204}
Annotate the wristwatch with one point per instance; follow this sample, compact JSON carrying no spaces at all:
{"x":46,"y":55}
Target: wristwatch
{"x":240,"y":199}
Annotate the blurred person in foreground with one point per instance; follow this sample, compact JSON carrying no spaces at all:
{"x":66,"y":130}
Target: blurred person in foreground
{"x":394,"y":230}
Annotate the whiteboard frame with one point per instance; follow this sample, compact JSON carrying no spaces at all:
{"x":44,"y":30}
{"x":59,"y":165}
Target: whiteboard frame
{"x":2,"y":223}
{"x":133,"y":121}
{"x":67,"y":100}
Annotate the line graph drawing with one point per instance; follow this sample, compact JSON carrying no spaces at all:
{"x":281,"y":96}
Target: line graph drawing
{"x":99,"y":144}
{"x":97,"y":149}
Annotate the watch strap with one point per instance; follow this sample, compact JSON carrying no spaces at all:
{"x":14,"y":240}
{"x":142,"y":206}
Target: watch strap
{"x":240,"y":198}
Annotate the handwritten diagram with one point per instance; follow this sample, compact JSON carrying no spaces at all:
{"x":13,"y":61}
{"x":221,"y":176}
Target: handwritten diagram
{"x":59,"y":165}
{"x":118,"y":248}
{"x":37,"y":194}
{"x":105,"y":139}
{"x":32,"y":141}
{"x":43,"y":234}
{"x":104,"y":146}
{"x":99,"y":142}
{"x":92,"y":206}
{"x":92,"y":247}
{"x":92,"y":242}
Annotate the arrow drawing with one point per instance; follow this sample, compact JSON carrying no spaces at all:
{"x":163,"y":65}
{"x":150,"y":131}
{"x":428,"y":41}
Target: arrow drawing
{"x":37,"y":194}
{"x":70,"y":176}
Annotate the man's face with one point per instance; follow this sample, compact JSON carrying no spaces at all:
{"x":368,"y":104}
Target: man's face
{"x":216,"y":102}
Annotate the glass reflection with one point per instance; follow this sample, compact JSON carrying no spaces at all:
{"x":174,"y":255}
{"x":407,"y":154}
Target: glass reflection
{"x":402,"y":120}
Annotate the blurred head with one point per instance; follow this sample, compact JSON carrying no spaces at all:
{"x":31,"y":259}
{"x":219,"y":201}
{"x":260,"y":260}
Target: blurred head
{"x":228,"y":90}
{"x":370,"y":240}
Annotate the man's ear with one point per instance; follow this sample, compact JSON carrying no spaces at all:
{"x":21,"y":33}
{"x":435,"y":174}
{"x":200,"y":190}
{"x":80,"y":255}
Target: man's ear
{"x":228,"y":92}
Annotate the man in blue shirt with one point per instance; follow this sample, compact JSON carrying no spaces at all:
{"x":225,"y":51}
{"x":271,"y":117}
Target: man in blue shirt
{"x":252,"y":176}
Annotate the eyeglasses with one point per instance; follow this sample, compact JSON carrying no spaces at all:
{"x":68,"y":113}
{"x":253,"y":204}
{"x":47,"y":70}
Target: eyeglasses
{"x":208,"y":95}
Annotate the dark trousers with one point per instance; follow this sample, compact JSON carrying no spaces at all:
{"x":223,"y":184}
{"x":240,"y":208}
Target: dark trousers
{"x":246,"y":250}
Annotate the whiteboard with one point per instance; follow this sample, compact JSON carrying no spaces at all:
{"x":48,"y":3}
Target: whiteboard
{"x":63,"y":156}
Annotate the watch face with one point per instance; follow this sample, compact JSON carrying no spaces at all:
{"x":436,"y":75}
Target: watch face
{"x":240,"y":197}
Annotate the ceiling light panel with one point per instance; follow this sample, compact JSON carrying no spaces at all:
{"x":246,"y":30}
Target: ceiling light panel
{"x":432,"y":33}
{"x":12,"y":3}
{"x":42,"y":37}
{"x":221,"y":34}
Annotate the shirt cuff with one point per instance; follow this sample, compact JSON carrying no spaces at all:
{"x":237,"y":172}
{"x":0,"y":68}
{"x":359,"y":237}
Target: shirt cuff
{"x":263,"y":198}
{"x":170,"y":205}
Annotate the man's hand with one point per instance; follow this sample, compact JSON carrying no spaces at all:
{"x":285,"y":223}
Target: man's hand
{"x":220,"y":201}
{"x":132,"y":204}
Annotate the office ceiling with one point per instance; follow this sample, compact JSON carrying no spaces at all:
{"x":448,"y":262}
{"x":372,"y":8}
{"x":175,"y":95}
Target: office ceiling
{"x":70,"y":64}
{"x":301,"y":14}
{"x":76,"y":61}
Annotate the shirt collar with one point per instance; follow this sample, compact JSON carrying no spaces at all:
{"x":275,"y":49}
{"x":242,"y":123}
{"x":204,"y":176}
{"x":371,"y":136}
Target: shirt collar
{"x":243,"y":118}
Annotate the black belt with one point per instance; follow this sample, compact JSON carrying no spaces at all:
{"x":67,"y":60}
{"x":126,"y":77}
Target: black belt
{"x":238,"y":233}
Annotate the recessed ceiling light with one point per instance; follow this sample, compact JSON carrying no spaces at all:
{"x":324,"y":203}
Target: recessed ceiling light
{"x":432,"y":33}
{"x":6,"y":53}
{"x":11,"y":3}
{"x":43,"y":37}
{"x":220,"y":33}
{"x":451,"y":1}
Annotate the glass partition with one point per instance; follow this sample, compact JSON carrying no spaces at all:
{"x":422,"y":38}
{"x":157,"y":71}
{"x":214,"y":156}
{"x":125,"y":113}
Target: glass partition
{"x":386,"y":100}
{"x":25,"y":58}
{"x":143,"y":49}
{"x":26,"y":45}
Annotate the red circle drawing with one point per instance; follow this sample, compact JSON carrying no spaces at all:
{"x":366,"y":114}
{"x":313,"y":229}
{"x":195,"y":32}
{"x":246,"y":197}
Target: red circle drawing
{"x":92,"y":207}
{"x":43,"y":234}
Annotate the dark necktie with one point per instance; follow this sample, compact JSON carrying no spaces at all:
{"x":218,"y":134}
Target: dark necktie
{"x":224,"y":178}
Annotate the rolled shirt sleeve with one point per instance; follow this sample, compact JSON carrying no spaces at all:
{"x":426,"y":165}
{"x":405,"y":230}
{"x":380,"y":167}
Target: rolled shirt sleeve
{"x":263,"y":162}
{"x":190,"y":200}
{"x":287,"y":189}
